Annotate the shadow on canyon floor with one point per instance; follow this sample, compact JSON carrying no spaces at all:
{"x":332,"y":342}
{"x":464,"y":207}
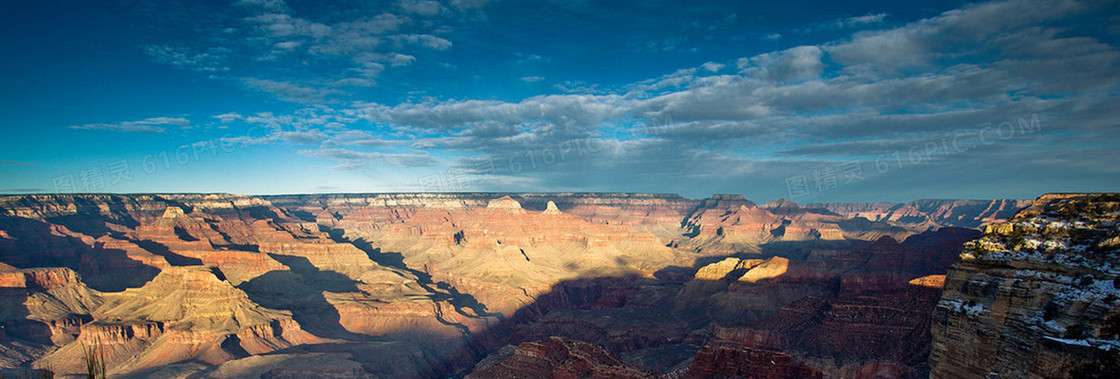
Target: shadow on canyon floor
{"x":846,"y":303}
{"x":300,"y":291}
{"x":35,"y":244}
{"x":652,"y":320}
{"x":626,"y":317}
{"x":14,"y":323}
{"x":163,"y":251}
{"x":441,"y":291}
{"x":662,"y":321}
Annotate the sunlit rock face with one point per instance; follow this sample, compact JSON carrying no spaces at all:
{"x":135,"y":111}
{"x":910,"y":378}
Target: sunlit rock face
{"x":507,"y":255}
{"x":203,"y":278}
{"x":1036,"y":296}
{"x":183,"y":313}
{"x":723,"y":225}
{"x":432,"y":285}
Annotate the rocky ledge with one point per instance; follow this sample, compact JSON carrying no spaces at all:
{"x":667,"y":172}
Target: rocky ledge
{"x":1036,"y":296}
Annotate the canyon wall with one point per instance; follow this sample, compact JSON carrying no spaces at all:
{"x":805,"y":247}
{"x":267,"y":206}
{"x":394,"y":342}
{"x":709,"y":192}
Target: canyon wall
{"x":430,"y":285}
{"x":930,"y":213}
{"x":1036,"y":296}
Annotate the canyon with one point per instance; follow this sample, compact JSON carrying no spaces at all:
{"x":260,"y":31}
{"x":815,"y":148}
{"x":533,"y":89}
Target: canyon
{"x":489,"y":285}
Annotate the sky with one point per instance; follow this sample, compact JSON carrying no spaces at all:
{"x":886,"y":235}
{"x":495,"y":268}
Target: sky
{"x":813,"y":101}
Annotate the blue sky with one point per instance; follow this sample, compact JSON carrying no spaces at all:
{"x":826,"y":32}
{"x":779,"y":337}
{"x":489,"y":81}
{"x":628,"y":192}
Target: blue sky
{"x":814,"y":101}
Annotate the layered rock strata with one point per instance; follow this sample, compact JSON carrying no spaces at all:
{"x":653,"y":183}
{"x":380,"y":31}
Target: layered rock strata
{"x":1036,"y":296}
{"x":425,"y":285}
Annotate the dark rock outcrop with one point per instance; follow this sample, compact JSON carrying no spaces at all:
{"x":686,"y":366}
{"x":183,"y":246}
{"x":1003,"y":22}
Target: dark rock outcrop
{"x":559,"y":358}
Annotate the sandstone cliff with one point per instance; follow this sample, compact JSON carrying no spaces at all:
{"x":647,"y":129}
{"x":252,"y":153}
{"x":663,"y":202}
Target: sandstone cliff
{"x":204,"y":278}
{"x":1036,"y":296}
{"x":722,"y":226}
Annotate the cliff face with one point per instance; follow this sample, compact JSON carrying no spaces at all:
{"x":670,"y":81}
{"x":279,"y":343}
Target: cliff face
{"x":744,"y":362}
{"x":930,"y":213}
{"x":724,"y":226}
{"x":501,"y":252}
{"x":559,"y":358}
{"x":41,"y":307}
{"x":204,"y":278}
{"x":182,"y":312}
{"x":1036,"y":296}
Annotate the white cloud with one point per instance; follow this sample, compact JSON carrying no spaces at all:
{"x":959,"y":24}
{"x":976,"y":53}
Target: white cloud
{"x":308,"y":137}
{"x":269,"y":5}
{"x":870,"y":19}
{"x":781,"y":113}
{"x":214,"y":61}
{"x":578,"y":87}
{"x":784,"y":97}
{"x":531,"y":79}
{"x":421,"y":7}
{"x":396,"y":60}
{"x":469,"y":4}
{"x":554,"y":114}
{"x":303,"y":57}
{"x":290,"y":91}
{"x":354,"y":82}
{"x":426,"y":40}
{"x":148,"y":125}
{"x":964,"y":30}
{"x":356,"y":159}
{"x":690,"y":123}
{"x":177,"y":121}
{"x":530,"y":58}
{"x":361,"y":138}
{"x":246,"y":140}
{"x":228,"y":117}
{"x":798,"y":63}
{"x":713,"y":66}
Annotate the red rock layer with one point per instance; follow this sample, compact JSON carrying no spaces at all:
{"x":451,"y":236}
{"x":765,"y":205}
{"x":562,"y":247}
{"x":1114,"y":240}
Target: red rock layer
{"x":559,"y":358}
{"x":215,"y":279}
{"x":184,"y":313}
{"x":42,"y":278}
{"x":728,"y":227}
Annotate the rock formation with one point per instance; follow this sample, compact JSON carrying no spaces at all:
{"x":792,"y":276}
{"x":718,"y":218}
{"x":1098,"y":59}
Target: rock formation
{"x":745,"y":362}
{"x":770,"y":268}
{"x":183,"y":313}
{"x":1036,"y":296}
{"x":727,"y":269}
{"x":723,"y":226}
{"x":920,"y":215}
{"x":195,"y":271}
{"x":556,"y":357}
{"x":551,"y":209}
{"x":427,"y":285}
